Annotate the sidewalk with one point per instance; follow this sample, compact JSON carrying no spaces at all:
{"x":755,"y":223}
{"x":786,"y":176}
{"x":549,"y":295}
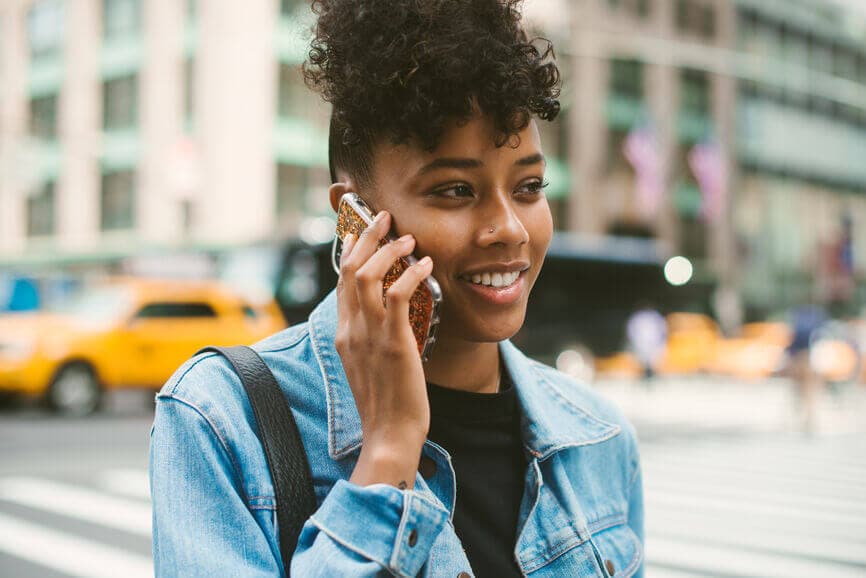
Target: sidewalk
{"x":678,"y":406}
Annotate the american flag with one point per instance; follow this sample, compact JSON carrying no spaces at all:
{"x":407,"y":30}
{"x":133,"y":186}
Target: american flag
{"x":707,"y":162}
{"x":641,"y":149}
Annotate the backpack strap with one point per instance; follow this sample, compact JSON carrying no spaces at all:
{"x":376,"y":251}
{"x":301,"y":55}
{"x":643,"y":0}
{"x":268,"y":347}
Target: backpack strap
{"x":284,"y":451}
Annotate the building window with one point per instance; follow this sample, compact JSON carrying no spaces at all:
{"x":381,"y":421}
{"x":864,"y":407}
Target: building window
{"x":639,"y":8}
{"x":682,"y":14}
{"x":40,"y":212}
{"x":45,"y":28}
{"x":626,"y":78}
{"x":118,"y":200}
{"x":821,"y":57}
{"x":844,"y":63}
{"x":293,"y":98}
{"x":696,"y":18}
{"x":616,"y":161}
{"x":121,"y":18}
{"x":291,"y":186}
{"x":120,"y":103}
{"x":795,"y":46}
{"x":708,"y":22}
{"x":43,"y":117}
{"x":861,"y":68}
{"x":694,"y":92}
{"x":189,"y":90}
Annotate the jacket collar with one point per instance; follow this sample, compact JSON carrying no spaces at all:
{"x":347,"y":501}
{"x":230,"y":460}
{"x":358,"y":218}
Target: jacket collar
{"x":554,"y":414}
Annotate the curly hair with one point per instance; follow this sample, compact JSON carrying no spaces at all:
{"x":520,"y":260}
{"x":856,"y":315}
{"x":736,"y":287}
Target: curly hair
{"x":402,"y":69}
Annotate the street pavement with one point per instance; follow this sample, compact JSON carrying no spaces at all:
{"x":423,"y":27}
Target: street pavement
{"x":733,"y":489}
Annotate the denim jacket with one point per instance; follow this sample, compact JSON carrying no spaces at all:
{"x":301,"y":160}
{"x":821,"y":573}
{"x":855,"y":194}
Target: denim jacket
{"x":213,"y":500}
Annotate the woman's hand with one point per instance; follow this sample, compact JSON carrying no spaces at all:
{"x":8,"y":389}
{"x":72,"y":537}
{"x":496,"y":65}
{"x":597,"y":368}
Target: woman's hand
{"x":380,"y":355}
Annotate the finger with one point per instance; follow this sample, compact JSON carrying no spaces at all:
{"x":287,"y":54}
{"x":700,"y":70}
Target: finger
{"x":367,"y":242}
{"x":348,"y":243}
{"x":346,"y":299}
{"x":370,"y":277}
{"x":401,"y":291}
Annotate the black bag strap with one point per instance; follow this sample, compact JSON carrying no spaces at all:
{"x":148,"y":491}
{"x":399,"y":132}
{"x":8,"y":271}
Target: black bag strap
{"x":284,"y":451}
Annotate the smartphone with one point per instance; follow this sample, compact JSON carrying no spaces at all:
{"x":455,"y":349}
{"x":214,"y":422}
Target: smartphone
{"x":353,"y":216}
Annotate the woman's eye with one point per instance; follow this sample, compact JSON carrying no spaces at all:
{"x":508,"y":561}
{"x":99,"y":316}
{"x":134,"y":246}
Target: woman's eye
{"x":532,"y":187}
{"x":454,"y":192}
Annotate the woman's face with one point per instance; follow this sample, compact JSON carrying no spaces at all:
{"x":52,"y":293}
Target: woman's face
{"x":480,"y":213}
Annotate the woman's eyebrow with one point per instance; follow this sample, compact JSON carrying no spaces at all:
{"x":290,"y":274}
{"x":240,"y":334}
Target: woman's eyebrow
{"x":531,"y":160}
{"x":468,"y":163}
{"x":450,"y":163}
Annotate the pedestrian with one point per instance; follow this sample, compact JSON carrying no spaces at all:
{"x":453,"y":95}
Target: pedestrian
{"x":647,"y":333}
{"x":806,"y":320}
{"x":477,"y":462}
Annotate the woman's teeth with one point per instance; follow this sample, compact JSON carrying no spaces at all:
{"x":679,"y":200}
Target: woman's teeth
{"x":496,"y":279}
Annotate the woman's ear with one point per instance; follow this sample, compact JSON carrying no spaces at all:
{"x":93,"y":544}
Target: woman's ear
{"x":336,"y":192}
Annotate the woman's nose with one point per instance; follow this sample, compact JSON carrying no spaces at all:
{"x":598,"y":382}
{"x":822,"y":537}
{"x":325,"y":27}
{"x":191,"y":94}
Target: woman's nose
{"x":503,"y":225}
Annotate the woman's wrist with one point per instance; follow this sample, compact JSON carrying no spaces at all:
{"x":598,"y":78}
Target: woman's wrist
{"x":393,"y":462}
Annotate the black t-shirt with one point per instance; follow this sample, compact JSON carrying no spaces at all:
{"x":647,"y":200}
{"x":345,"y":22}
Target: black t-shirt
{"x":482,"y":434}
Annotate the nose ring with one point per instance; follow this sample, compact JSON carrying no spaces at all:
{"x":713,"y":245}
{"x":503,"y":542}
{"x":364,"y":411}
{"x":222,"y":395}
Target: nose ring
{"x":492,"y":228}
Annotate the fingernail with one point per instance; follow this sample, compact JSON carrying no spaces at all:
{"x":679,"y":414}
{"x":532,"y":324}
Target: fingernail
{"x":379,"y":216}
{"x":425,"y":261}
{"x":405,"y":238}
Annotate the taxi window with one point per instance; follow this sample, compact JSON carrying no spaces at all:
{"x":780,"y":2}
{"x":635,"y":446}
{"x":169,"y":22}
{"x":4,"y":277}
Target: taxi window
{"x":175,"y":311}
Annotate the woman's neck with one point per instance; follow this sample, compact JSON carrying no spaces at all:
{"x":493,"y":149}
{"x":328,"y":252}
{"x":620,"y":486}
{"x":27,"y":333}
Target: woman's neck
{"x":464,"y":365}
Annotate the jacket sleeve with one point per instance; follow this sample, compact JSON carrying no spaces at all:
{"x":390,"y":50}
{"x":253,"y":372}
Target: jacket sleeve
{"x":204,"y":525}
{"x":636,"y":513}
{"x":369,"y":531}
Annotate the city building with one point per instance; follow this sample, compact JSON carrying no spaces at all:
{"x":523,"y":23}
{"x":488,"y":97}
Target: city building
{"x":732,"y":130}
{"x":133,"y":126}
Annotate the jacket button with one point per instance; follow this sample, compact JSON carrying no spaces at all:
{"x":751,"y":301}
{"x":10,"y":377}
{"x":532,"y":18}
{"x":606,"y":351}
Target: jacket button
{"x":464,"y":575}
{"x":413,"y":537}
{"x":610,"y":567}
{"x":427,"y":467}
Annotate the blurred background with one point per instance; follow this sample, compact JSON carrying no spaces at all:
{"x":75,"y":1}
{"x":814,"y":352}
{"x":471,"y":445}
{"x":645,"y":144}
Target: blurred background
{"x":163,"y":178}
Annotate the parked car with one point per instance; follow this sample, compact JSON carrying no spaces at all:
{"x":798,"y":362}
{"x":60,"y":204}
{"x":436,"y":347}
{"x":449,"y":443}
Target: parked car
{"x":126,"y":333}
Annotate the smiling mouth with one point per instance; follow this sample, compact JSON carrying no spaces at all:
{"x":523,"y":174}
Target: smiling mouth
{"x":495,"y":280}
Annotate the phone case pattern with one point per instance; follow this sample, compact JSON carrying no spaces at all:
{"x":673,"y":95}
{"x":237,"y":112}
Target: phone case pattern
{"x":421,"y":304}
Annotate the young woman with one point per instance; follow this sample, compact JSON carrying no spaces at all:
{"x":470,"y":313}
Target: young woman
{"x":478,"y":462}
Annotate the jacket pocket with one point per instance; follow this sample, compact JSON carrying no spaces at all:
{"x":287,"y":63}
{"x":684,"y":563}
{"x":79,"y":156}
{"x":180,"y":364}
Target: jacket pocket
{"x":619,"y":549}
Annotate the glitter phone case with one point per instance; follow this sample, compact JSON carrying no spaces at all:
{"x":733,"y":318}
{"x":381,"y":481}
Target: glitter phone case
{"x":353,"y":216}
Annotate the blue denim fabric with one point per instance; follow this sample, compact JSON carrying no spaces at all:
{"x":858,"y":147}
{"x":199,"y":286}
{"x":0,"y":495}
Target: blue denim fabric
{"x":213,"y":501}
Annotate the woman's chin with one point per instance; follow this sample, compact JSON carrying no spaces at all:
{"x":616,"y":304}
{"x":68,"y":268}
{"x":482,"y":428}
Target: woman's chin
{"x":483,"y":330}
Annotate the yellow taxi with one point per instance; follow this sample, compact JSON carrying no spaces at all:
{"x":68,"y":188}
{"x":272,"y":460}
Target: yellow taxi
{"x":692,"y":342}
{"x":128,"y":332}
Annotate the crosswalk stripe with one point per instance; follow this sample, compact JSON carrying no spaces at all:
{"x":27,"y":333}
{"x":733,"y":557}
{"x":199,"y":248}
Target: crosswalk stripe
{"x":131,"y":483}
{"x":725,"y":561}
{"x":69,"y":554}
{"x":727,"y":472}
{"x":741,"y":493}
{"x":809,"y":542}
{"x":663,"y":499}
{"x":795,"y":451}
{"x":97,"y":507}
{"x":753,"y":524}
{"x":767,"y":464}
{"x":655,"y":571}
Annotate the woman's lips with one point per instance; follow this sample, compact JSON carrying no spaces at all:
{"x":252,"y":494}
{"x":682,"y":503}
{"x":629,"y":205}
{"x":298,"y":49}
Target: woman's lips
{"x":498,"y":295}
